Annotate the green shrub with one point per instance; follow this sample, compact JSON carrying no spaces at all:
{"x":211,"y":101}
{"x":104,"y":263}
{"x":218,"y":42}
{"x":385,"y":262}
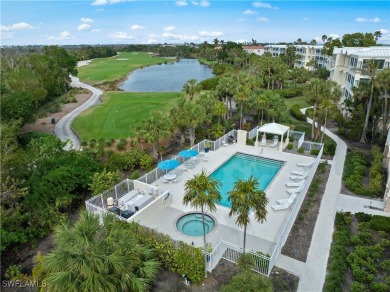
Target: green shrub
{"x":290,"y":146}
{"x":301,"y":150}
{"x":330,"y":148}
{"x":123,"y":140}
{"x":385,"y":265}
{"x":109,"y":143}
{"x":358,"y":287}
{"x":136,"y":174}
{"x":13,"y":272}
{"x":250,"y":142}
{"x":146,"y":162}
{"x":363,"y":217}
{"x":291,"y":138}
{"x":121,"y":146}
{"x":209,"y":84}
{"x":289,"y":92}
{"x":92,"y":144}
{"x":380,"y":223}
{"x":296,"y":112}
{"x":315,"y":152}
{"x":380,"y":287}
{"x":83,"y":143}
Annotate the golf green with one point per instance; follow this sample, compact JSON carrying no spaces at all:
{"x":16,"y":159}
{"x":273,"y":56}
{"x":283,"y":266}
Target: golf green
{"x":120,"y":113}
{"x":117,"y":67}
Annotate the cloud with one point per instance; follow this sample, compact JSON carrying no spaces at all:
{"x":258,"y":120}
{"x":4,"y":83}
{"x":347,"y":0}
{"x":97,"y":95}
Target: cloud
{"x":105,"y":2}
{"x":137,"y":27}
{"x":16,"y":26}
{"x":95,"y":30}
{"x":305,"y":18}
{"x":65,"y":35}
{"x":181,"y":37}
{"x":169,"y":28}
{"x":385,"y":38}
{"x":86,"y":20}
{"x":263,"y":5}
{"x":204,"y":3}
{"x":248,"y":12}
{"x":7,"y":35}
{"x":241,"y":19}
{"x":119,"y":35}
{"x":362,"y":19}
{"x":84,"y":26}
{"x":181,"y":3}
{"x":262,"y":19}
{"x":210,"y":33}
{"x":333,"y":36}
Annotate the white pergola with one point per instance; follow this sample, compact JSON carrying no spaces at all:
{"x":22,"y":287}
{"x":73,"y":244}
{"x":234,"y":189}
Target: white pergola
{"x":274,"y":128}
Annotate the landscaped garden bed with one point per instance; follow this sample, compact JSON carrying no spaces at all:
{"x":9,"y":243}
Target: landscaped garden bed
{"x":298,"y":242}
{"x":359,"y":258}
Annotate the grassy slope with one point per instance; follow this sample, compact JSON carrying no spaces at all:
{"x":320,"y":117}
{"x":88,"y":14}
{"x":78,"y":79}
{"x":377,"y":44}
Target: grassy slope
{"x":111,"y":69}
{"x":121,"y":113}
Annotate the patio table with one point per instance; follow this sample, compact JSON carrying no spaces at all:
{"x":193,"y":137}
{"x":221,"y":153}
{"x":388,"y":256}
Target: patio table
{"x":170,"y":176}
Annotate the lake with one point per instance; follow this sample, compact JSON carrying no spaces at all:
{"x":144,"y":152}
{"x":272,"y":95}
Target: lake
{"x":166,"y":77}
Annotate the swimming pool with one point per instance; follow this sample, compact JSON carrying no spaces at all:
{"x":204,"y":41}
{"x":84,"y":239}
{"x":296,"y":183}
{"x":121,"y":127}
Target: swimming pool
{"x":242,"y":166}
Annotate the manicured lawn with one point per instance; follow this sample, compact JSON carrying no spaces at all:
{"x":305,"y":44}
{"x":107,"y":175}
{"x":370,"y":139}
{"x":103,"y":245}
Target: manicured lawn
{"x":116,"y":68}
{"x":301,"y":100}
{"x":120,"y":114}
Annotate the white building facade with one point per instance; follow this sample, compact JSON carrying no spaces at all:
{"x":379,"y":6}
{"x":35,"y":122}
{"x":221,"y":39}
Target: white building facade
{"x":258,"y":50}
{"x":349,"y":63}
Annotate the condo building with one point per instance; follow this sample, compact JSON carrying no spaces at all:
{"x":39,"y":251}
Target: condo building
{"x":258,"y":50}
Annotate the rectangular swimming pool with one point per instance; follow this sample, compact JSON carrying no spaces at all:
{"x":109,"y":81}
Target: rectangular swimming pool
{"x":242,"y":166}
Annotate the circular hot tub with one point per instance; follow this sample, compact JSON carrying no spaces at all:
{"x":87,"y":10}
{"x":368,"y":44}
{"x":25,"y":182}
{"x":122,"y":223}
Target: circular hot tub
{"x":191,"y":224}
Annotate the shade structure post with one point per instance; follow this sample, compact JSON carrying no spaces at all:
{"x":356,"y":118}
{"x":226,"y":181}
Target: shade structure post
{"x":281,"y":144}
{"x":257,"y":139}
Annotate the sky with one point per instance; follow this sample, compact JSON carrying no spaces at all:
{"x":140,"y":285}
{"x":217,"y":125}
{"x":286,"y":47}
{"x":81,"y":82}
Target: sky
{"x":72,"y":22}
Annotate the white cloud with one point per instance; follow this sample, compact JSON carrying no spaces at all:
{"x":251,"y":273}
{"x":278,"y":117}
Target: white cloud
{"x":362,"y":19}
{"x":248,"y":11}
{"x":86,"y":20}
{"x":95,"y":30}
{"x":7,"y":35}
{"x":263,"y":5}
{"x":181,"y":37}
{"x":119,"y":35}
{"x":333,"y":36}
{"x":262,"y":19}
{"x":181,"y":3}
{"x":195,"y":3}
{"x":385,"y":38}
{"x":16,"y":26}
{"x":84,"y":26}
{"x":305,"y":18}
{"x":152,"y":41}
{"x":169,"y":28}
{"x":204,"y":3}
{"x":65,"y":35}
{"x":210,"y":33}
{"x":137,"y":27}
{"x":104,"y":2}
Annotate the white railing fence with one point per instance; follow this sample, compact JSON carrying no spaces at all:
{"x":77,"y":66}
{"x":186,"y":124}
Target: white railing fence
{"x":308,"y":146}
{"x":252,"y":133}
{"x":224,"y":139}
{"x":232,"y":253}
{"x":298,"y":136}
{"x":291,"y":219}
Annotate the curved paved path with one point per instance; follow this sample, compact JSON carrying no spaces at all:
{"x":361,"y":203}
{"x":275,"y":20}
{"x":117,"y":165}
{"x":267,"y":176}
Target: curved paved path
{"x":63,"y":128}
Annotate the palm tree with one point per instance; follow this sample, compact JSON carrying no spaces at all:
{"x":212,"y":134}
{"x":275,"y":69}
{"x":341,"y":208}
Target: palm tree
{"x":370,"y":69}
{"x":244,"y":197}
{"x":191,"y":87}
{"x":154,"y":128}
{"x":219,"y":110}
{"x":226,"y":89}
{"x":196,"y":114}
{"x":202,"y":192}
{"x":94,"y":257}
{"x":276,"y":105}
{"x":260,"y":102}
{"x":383,"y":82}
{"x":178,"y":118}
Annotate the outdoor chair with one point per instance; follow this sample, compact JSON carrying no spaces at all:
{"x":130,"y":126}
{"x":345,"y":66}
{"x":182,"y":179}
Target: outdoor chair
{"x":299,"y":177}
{"x":284,"y":206}
{"x":263,"y":140}
{"x":283,"y":201}
{"x":295,"y":184}
{"x":305,"y":164}
{"x":274,"y":143}
{"x":295,"y":190}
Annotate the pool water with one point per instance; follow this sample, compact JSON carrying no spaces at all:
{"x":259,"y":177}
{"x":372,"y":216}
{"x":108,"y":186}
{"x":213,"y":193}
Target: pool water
{"x":242,"y":166}
{"x":191,"y":224}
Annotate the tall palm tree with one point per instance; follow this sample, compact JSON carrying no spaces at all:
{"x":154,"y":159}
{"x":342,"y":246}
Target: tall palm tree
{"x":196,"y":115}
{"x":191,"y":87}
{"x":244,"y":197}
{"x":94,"y":257}
{"x":154,"y":128}
{"x":383,"y":82}
{"x":260,"y":103}
{"x":219,"y":110}
{"x":226,"y":89}
{"x":202,"y":192}
{"x":276,"y":105}
{"x":370,"y":69}
{"x":178,"y":118}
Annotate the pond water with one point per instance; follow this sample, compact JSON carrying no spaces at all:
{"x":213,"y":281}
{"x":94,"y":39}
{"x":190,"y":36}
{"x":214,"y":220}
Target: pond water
{"x":166,"y":77}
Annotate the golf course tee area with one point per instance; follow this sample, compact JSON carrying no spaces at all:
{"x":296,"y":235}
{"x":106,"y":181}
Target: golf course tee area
{"x":120,"y":113}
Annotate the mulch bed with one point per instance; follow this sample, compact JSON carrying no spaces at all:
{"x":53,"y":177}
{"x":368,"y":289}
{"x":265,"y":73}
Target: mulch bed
{"x":298,"y":242}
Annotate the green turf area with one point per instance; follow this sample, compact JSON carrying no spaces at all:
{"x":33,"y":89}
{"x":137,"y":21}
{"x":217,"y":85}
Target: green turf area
{"x":301,"y":100}
{"x":120,"y":113}
{"x":116,"y":68}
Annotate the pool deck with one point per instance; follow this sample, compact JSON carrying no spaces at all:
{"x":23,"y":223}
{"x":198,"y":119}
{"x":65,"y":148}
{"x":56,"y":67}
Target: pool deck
{"x":260,"y":236}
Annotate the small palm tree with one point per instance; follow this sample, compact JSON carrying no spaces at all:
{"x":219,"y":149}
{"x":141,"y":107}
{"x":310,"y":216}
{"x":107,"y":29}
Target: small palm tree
{"x":202,"y":192}
{"x":191,"y":87}
{"x":244,"y":197}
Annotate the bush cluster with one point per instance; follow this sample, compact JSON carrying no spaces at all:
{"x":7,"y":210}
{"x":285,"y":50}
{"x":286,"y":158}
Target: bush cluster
{"x":330,"y":148}
{"x":289,"y":92}
{"x":290,"y":146}
{"x":380,"y":223}
{"x":376,"y":176}
{"x":315,"y":152}
{"x":295,"y":111}
{"x":129,"y":160}
{"x":209,"y":84}
{"x":301,"y":150}
{"x":178,"y":257}
{"x":337,"y":264}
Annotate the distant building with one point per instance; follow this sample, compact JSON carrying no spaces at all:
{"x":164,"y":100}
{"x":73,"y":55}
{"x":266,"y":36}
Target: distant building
{"x":275,"y":50}
{"x":258,"y":50}
{"x":348,"y":66}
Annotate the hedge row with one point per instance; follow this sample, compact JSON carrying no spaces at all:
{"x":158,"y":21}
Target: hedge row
{"x":376,"y":176}
{"x":337,"y":264}
{"x":289,"y":92}
{"x":209,"y":84}
{"x":178,"y":257}
{"x":296,"y":112}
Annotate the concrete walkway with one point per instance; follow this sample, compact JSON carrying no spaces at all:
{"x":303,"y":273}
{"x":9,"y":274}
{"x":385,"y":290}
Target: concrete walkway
{"x":355,"y":204}
{"x":63,"y":128}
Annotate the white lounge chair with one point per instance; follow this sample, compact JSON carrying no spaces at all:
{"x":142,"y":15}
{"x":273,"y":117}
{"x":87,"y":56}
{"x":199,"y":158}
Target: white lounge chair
{"x":263,"y":140}
{"x":301,"y":164}
{"x":274,"y":143}
{"x":282,"y":201}
{"x":295,"y":190}
{"x":299,"y":177}
{"x":295,"y":184}
{"x":284,"y":206}
{"x":225,"y":144}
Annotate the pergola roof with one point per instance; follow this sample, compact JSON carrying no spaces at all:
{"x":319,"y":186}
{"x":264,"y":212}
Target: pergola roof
{"x":273,"y":128}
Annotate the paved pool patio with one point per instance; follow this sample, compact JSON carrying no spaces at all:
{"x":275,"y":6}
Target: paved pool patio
{"x":260,"y":236}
